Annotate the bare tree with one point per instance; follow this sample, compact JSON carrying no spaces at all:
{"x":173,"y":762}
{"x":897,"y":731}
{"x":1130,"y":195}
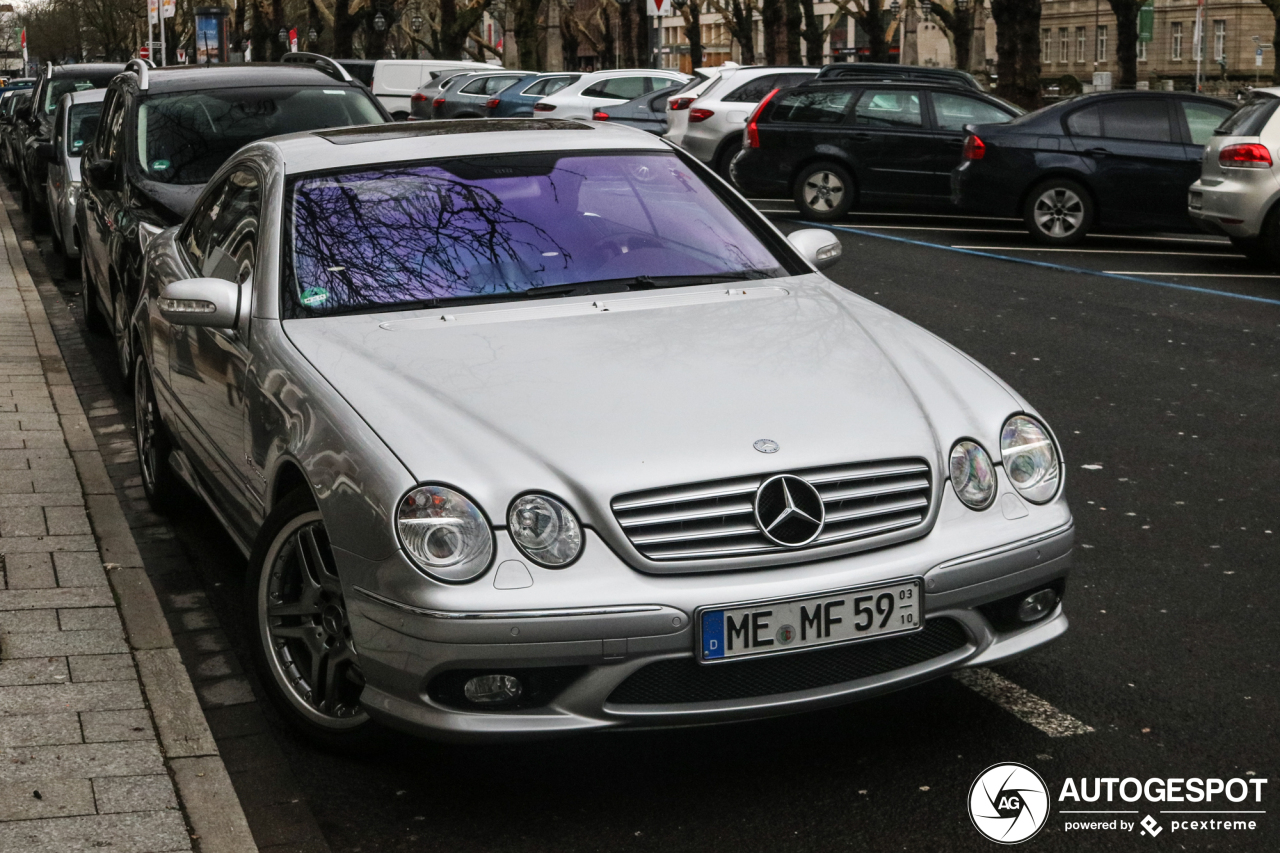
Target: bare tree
{"x":739,"y":20}
{"x":1018,"y":51}
{"x":1126,"y":12}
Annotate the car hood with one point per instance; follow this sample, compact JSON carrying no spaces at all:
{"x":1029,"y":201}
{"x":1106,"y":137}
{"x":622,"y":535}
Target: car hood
{"x":589,"y":398}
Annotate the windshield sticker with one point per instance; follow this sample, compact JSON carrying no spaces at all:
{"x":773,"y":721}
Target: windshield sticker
{"x":159,"y":165}
{"x":314,"y":296}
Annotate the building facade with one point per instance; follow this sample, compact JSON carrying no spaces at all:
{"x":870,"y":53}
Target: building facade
{"x":1078,"y":37}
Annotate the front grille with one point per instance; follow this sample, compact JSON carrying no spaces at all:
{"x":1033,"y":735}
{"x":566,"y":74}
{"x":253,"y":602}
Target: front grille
{"x":716,"y":519}
{"x":681,"y":680}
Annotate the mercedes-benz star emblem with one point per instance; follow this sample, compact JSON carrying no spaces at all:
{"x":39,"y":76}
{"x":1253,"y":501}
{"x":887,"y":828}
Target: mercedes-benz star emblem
{"x":766,"y":445}
{"x":789,"y":511}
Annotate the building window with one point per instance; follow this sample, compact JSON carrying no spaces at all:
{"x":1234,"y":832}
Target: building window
{"x":1219,"y":40}
{"x":1102,"y":44}
{"x":1080,"y":44}
{"x":1177,"y":41}
{"x":1046,"y":44}
{"x":1064,"y":45}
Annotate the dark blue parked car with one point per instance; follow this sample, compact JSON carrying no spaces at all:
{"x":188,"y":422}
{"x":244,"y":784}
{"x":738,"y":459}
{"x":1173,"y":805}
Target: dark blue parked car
{"x":518,"y":100}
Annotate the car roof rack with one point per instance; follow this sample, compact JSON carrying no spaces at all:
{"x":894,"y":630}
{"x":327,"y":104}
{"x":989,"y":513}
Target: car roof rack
{"x":320,"y":61}
{"x":139,"y":67}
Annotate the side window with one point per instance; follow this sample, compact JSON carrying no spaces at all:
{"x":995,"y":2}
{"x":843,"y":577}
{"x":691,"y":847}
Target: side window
{"x":619,"y":88}
{"x":1202,"y":118}
{"x":1136,"y":118}
{"x":754,"y":91}
{"x":99,"y":145}
{"x":888,"y":108}
{"x":475,"y":87}
{"x":953,"y":112}
{"x":222,"y":237}
{"x":555,"y":84}
{"x":656,"y":83}
{"x":497,"y":85}
{"x":113,"y":142}
{"x":812,"y":107}
{"x":1085,"y":122}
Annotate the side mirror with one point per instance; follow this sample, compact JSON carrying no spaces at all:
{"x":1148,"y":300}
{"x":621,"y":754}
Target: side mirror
{"x":818,"y":246}
{"x":45,"y":151}
{"x":211,"y":302}
{"x":101,"y":172}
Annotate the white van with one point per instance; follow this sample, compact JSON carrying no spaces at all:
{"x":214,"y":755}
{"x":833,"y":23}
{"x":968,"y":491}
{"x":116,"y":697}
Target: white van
{"x":395,"y":80}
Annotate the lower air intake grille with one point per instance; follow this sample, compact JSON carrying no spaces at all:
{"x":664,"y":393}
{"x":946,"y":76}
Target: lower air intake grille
{"x":681,"y":680}
{"x":716,"y":520}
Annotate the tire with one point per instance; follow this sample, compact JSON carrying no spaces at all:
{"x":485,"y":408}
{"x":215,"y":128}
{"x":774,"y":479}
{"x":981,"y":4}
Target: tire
{"x":301,"y":638}
{"x":823,"y":191}
{"x":26,"y":199}
{"x":725,"y":158}
{"x":1255,"y":249}
{"x":159,"y":482}
{"x":120,"y":331}
{"x":1058,"y":212}
{"x":93,"y":319}
{"x":400,"y":116}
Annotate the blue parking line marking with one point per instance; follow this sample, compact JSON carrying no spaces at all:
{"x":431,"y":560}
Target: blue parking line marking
{"x":1044,"y":264}
{"x":712,"y":634}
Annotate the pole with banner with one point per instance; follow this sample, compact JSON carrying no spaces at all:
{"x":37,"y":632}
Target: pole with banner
{"x":153,"y":18}
{"x":656,"y":10}
{"x":167,"y":10}
{"x":1197,"y":40}
{"x":24,"y":50}
{"x":293,"y":40}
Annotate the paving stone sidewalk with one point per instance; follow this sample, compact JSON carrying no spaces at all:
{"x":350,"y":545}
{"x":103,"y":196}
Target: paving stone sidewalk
{"x":102,"y":742}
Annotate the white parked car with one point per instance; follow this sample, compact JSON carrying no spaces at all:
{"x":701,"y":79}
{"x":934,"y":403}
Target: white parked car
{"x":707,"y":121}
{"x":605,"y":89}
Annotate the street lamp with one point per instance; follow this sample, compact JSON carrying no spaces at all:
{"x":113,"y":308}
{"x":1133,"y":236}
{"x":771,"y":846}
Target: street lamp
{"x":961,"y":5}
{"x":925,"y":8}
{"x":895,"y":7}
{"x":415,"y":23}
{"x":379,"y":22}
{"x":312,"y":36}
{"x":283,"y":35}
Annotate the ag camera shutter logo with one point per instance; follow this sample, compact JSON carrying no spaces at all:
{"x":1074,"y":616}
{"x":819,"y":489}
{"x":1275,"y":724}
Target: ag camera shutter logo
{"x":1008,"y":803}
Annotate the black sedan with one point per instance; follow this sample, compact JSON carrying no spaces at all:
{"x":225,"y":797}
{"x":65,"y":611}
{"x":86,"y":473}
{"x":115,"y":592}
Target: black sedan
{"x":832,"y":145}
{"x":1116,"y":159}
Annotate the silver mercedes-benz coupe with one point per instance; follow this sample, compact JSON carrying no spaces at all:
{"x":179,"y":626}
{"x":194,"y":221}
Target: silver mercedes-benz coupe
{"x":532,"y":427}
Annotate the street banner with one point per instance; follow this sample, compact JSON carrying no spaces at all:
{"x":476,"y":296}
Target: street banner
{"x":153,"y":12}
{"x":1147,"y":21}
{"x":660,"y":8}
{"x":293,"y":40}
{"x":24,"y":47}
{"x":170,"y":8}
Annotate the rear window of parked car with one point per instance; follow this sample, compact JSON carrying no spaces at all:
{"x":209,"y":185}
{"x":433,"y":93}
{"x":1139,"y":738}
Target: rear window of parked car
{"x":1250,"y":119}
{"x":1202,"y":119}
{"x":814,"y":107}
{"x":953,"y":112}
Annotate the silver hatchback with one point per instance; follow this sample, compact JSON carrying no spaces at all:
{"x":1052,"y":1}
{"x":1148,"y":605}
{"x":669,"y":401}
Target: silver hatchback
{"x":535,"y":426}
{"x":1239,"y":183}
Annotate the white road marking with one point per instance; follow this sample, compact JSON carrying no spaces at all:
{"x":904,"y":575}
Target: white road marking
{"x":1195,"y":274}
{"x":1100,"y":251}
{"x":1022,"y":704}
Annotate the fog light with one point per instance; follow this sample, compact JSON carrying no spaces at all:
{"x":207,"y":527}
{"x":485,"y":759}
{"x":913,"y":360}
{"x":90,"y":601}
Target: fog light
{"x":492,"y":689}
{"x":1033,"y":607}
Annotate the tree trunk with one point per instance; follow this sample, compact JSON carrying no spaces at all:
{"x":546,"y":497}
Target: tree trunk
{"x":813,"y":35}
{"x":772,"y":20}
{"x":626,"y":24}
{"x":873,"y":24}
{"x":1126,"y":12}
{"x":693,"y":32}
{"x":278,"y":48}
{"x":526,"y":28}
{"x":555,"y":44}
{"x":1275,"y":53}
{"x":1018,"y":51}
{"x":744,"y":31}
{"x":344,"y":30}
{"x":644,"y":59}
{"x":793,"y":23}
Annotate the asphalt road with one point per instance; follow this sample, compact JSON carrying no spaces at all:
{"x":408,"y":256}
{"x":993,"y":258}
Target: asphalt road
{"x":1166,"y":399}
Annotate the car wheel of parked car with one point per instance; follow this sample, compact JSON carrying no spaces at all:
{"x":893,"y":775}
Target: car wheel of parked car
{"x":120,"y":328}
{"x":1059,"y":212}
{"x":399,"y":116}
{"x":93,"y":319}
{"x":159,"y":482}
{"x":725,"y":159}
{"x":824,"y":191}
{"x":303,"y":645}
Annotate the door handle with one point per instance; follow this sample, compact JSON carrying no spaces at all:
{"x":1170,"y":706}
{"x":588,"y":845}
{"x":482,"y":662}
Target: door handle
{"x":861,"y":137}
{"x":1097,"y":152}
{"x":955,"y":143}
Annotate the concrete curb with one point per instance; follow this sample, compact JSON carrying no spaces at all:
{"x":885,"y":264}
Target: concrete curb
{"x":204,"y":787}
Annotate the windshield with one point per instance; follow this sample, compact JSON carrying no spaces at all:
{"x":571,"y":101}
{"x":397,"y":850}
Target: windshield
{"x":82,"y":126}
{"x":497,"y":228}
{"x":57,"y":88}
{"x":184,"y":138}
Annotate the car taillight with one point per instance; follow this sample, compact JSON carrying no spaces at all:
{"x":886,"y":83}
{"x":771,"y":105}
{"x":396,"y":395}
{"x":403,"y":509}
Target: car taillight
{"x":1249,"y":155}
{"x":543,"y":108}
{"x":973,"y":148}
{"x":418,"y":98}
{"x":752,"y":131}
{"x":679,"y":103}
{"x":492,"y":103}
{"x":700,"y":114}
{"x":599,"y":116}
{"x":438,"y":102}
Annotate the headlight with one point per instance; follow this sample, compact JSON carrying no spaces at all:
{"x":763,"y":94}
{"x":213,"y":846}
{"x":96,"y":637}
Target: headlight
{"x":973,"y":475}
{"x":445,"y":533}
{"x":545,"y":530}
{"x":1030,"y":459}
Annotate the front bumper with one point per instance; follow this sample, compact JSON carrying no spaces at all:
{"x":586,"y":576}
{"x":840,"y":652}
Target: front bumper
{"x":404,"y":649}
{"x":1235,"y":205}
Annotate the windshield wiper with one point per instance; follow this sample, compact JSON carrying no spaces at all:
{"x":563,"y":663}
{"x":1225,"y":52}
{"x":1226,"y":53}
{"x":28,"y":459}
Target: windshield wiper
{"x":639,"y":282}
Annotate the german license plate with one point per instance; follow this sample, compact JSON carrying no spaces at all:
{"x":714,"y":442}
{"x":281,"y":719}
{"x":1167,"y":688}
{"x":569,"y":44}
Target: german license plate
{"x":787,"y":625}
{"x":1195,"y":200}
